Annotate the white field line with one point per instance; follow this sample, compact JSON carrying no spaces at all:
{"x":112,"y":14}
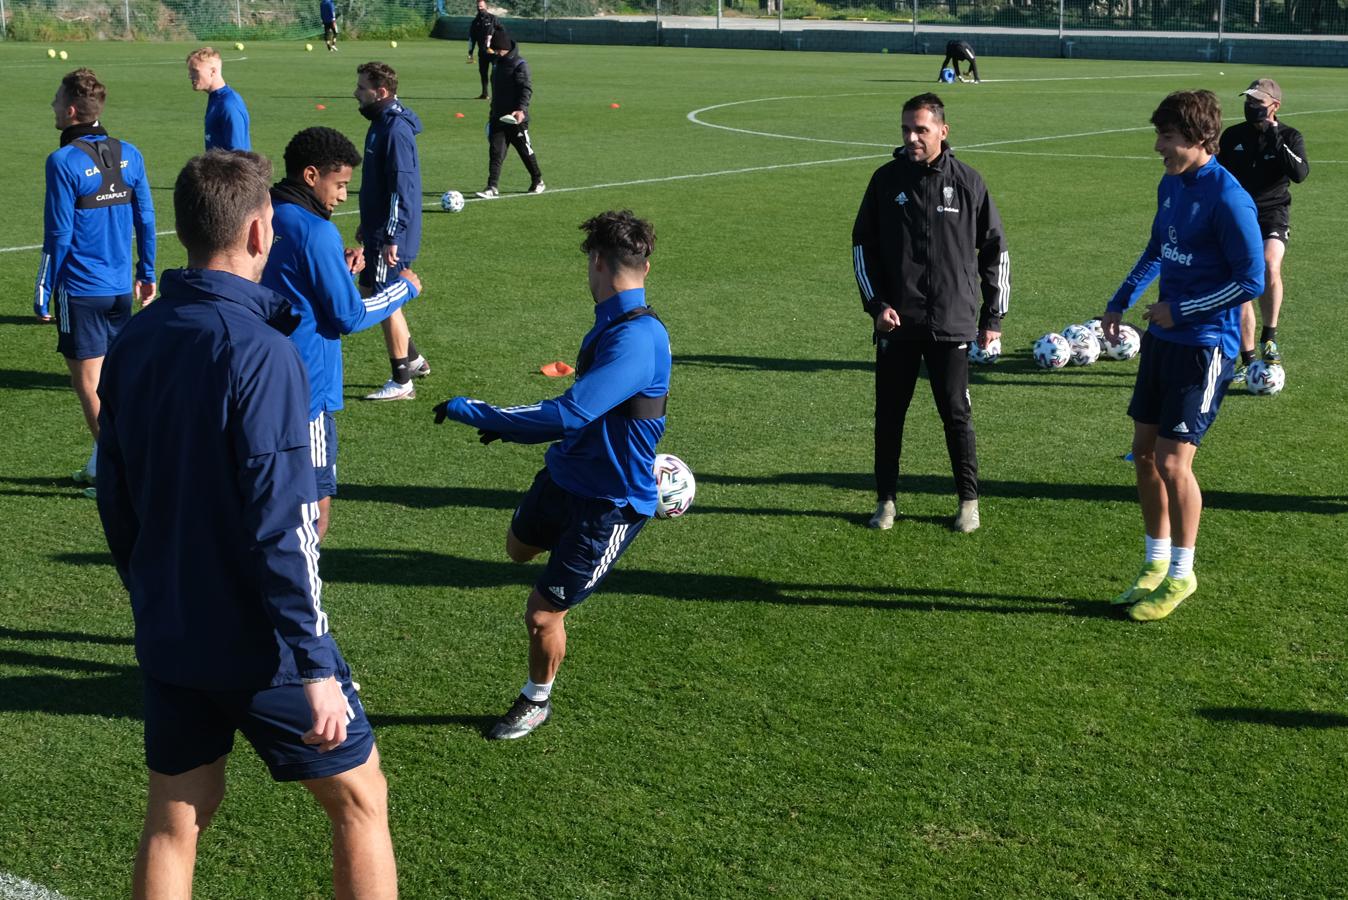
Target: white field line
{"x":985,"y":147}
{"x":108,"y":65}
{"x":14,"y":888}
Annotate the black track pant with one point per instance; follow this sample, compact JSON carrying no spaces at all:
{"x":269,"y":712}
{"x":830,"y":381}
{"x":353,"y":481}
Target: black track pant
{"x":896,"y":370}
{"x":484,"y":68}
{"x":518,"y":137}
{"x":953,"y":60}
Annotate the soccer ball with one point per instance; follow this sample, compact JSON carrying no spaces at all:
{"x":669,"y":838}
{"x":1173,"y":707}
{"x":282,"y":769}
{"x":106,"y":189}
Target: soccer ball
{"x":947,"y":75}
{"x":985,"y":356}
{"x":1085,"y":347}
{"x":1126,"y":346}
{"x":676,"y":485}
{"x":451,"y":201}
{"x":1265,"y":378}
{"x":1052,"y":351}
{"x":1097,"y":327}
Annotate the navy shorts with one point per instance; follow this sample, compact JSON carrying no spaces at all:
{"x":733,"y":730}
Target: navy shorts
{"x":186,"y":728}
{"x":584,"y":537}
{"x":1274,"y":224}
{"x":85,"y":326}
{"x":1179,"y":388}
{"x":323,"y":452}
{"x":378,"y":274}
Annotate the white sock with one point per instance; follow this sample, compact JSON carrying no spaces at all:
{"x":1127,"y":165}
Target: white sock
{"x":1158,"y":549}
{"x":92,"y":465}
{"x":1181,"y":562}
{"x":536,"y":692}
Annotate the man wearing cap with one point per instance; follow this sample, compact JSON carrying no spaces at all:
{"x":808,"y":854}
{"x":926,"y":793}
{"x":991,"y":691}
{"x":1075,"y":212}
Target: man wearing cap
{"x":511,"y":90}
{"x":1264,"y":155}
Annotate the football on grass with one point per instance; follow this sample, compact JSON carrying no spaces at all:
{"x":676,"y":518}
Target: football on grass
{"x":451,"y":201}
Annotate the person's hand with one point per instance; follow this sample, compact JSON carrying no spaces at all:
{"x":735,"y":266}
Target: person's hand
{"x":144,"y":293}
{"x":1160,"y":314}
{"x":411,"y":278}
{"x":987,"y":336}
{"x":45,"y":320}
{"x":486,"y":437}
{"x":391,"y":255}
{"x":1110,"y":322}
{"x":519,"y":116}
{"x":452,"y":408}
{"x":328,"y":705}
{"x":887,"y":321}
{"x":355,"y":260}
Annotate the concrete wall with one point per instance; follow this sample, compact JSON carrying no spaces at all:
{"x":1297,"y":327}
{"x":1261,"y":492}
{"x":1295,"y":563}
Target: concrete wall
{"x":1290,"y":51}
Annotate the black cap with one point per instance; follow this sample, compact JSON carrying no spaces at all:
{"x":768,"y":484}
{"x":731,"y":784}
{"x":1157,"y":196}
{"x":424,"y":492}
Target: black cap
{"x":501,"y":40}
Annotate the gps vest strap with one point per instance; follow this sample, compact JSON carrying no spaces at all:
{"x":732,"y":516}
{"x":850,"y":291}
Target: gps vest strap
{"x":636,"y":406}
{"x":107,"y":158}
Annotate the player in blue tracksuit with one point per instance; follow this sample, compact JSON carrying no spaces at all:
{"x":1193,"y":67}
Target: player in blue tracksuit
{"x":597,"y":489}
{"x":390,"y":213}
{"x":208,"y":503}
{"x":97,"y":195}
{"x":310,"y":267}
{"x":327,"y":11}
{"x":226,"y":113}
{"x":1206,"y":247}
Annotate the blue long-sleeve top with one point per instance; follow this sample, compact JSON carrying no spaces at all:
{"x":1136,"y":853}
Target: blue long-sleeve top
{"x":87,"y":252}
{"x":390,"y":183}
{"x":226,"y":120}
{"x":327,"y":11}
{"x":206,"y":488}
{"x":1206,"y":247}
{"x":308,"y":267}
{"x":599,"y":451}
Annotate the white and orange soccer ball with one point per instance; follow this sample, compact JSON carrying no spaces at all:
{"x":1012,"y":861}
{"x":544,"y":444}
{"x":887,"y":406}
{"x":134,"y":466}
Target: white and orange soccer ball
{"x":676,"y":484}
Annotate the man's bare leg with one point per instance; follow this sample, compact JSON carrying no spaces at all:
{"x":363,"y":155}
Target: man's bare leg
{"x":396,"y":335}
{"x":179,"y":809}
{"x":84,"y":375}
{"x":356,"y":802}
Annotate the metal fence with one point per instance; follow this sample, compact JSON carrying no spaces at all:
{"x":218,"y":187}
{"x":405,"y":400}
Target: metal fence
{"x":218,"y":20}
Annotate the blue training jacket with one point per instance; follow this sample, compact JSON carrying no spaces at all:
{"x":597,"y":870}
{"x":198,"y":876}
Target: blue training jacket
{"x":600,"y":452}
{"x":390,"y":186}
{"x":307,"y":266}
{"x":226,"y":121}
{"x":327,"y":11}
{"x":206,"y":487}
{"x":1206,"y":246}
{"x":87,"y":252}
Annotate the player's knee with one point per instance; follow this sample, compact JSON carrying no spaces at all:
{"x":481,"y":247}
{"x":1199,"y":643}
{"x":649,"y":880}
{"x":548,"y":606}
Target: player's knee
{"x":354,"y":798}
{"x":517,"y":550}
{"x":1172,"y":466}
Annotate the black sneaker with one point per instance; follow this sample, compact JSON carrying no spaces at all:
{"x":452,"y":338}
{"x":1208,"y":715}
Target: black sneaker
{"x":522,"y":718}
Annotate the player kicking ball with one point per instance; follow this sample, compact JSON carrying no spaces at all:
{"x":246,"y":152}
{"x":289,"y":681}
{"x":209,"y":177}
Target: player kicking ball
{"x":1205,"y":245}
{"x":597,"y":489}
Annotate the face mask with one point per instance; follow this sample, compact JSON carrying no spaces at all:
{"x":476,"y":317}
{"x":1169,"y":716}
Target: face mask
{"x":1256,"y":113}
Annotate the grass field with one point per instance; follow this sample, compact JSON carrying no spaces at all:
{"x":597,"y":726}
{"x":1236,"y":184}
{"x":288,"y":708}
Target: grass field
{"x":766,"y":697}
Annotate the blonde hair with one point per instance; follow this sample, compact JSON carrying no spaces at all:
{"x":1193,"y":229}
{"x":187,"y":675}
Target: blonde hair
{"x":201,"y":54}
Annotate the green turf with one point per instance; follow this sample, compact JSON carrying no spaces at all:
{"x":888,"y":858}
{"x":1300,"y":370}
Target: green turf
{"x":766,"y":697}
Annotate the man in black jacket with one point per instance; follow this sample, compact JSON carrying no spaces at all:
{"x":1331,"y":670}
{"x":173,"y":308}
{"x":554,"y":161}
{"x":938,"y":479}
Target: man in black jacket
{"x":511,"y":91}
{"x":926,"y":235}
{"x":1264,"y":155}
{"x":480,"y":32}
{"x":957,"y":52}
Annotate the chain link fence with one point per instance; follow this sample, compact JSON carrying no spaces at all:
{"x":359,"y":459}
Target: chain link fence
{"x":221,"y":20}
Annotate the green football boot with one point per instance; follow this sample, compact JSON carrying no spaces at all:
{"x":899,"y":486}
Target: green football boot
{"x":1162,"y":601}
{"x":1152,"y":574}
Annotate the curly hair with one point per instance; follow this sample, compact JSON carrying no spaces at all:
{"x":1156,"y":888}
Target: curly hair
{"x":379,"y":75}
{"x":326,"y":149}
{"x":86,"y":93}
{"x":619,"y":238}
{"x":1195,"y":115}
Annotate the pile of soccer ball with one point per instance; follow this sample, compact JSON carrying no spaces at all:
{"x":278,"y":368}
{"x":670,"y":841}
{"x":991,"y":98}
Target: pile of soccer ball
{"x":451,"y":201}
{"x":676,"y":485}
{"x":1082,"y":345}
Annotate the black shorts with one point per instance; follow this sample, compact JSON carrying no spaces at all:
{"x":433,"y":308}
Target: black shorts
{"x":323,"y":453}
{"x":585,"y":537}
{"x":1274,"y":224}
{"x":186,"y":728}
{"x":85,"y":326}
{"x":378,"y":274}
{"x":1179,"y":388}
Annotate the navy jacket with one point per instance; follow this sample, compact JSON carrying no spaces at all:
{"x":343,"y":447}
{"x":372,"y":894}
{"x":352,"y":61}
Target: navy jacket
{"x":512,"y":87}
{"x":206,"y":488}
{"x":390,"y":183}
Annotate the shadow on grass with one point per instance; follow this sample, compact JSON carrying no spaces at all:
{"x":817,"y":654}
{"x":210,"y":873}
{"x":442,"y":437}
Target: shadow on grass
{"x":1278,"y":718}
{"x":23,"y":380}
{"x":70,"y":637}
{"x":23,"y":320}
{"x":1328,"y":505}
{"x":768,"y":363}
